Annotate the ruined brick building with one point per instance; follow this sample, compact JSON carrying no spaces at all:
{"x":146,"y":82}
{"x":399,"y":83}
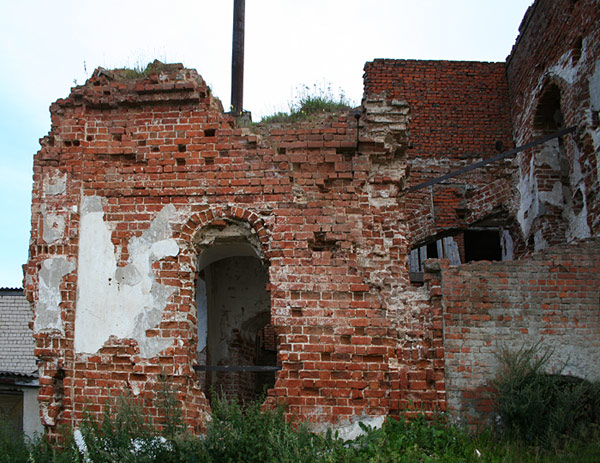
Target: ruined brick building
{"x":166,"y":239}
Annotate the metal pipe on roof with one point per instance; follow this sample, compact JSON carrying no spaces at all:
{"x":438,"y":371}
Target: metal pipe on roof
{"x":237,"y":58}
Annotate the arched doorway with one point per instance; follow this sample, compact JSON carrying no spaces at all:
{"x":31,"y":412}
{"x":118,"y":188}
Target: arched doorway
{"x":237,"y":351}
{"x":548,"y":202}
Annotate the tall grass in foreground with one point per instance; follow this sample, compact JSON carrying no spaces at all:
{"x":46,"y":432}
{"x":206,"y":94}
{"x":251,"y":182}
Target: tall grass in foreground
{"x":247,"y":434}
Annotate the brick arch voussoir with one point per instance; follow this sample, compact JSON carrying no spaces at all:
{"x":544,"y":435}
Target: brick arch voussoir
{"x":200,"y":220}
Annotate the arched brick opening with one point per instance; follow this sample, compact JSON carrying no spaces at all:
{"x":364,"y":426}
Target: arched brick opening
{"x":233,"y":303}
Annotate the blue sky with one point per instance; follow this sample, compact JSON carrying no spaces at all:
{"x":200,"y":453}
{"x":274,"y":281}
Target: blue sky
{"x":46,"y":47}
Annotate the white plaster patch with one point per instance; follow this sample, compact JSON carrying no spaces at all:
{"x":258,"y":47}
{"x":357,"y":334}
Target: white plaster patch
{"x":529,"y":203}
{"x":564,"y":70}
{"x":554,"y":197}
{"x":54,"y":226}
{"x":47,"y":309}
{"x":539,"y":241}
{"x":120,"y":301}
{"x":351,"y":430}
{"x":578,"y":225}
{"x":549,"y":154}
{"x":55,"y":183}
{"x":594,"y":87}
{"x":46,"y":418}
{"x":577,"y":173}
{"x":381,"y":198}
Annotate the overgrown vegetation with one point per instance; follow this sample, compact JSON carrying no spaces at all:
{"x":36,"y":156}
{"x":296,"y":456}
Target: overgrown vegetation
{"x":311,"y":101}
{"x":543,"y":421}
{"x":139,"y":71}
{"x":541,"y":408}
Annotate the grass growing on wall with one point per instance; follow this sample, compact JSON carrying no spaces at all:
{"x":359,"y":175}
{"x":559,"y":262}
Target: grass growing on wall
{"x":309,"y":102}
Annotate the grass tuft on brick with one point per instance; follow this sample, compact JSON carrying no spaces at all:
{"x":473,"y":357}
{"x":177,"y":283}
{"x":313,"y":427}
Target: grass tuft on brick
{"x":310,"y":102}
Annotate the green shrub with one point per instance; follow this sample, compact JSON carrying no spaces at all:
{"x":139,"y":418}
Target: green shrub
{"x":243,"y":434}
{"x":121,"y":435}
{"x":542,"y":408}
{"x":13,"y":447}
{"x":249,"y":434}
{"x":407,"y":440}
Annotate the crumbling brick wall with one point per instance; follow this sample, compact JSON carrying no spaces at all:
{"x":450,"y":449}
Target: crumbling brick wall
{"x":138,"y":178}
{"x":550,"y":298}
{"x":142,"y":177}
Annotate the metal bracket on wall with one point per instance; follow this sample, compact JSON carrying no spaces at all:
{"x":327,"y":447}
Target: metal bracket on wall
{"x":498,"y":157}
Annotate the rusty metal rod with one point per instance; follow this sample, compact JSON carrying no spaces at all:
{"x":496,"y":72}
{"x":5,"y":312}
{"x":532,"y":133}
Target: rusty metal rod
{"x":538,"y":141}
{"x":237,"y":58}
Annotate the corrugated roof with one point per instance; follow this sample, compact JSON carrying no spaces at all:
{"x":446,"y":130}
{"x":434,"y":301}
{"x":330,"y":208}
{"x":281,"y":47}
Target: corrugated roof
{"x":16,"y":338}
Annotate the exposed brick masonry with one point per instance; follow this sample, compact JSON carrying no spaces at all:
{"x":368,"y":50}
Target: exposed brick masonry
{"x":550,"y":298}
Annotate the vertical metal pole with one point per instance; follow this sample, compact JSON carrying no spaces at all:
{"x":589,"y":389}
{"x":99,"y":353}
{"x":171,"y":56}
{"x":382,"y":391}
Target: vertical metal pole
{"x":237,"y":58}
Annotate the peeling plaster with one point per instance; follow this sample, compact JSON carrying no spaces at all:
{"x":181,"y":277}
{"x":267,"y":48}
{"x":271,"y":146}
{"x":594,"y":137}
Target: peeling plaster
{"x":564,"y":70}
{"x":120,"y":301}
{"x":578,"y":225}
{"x":47,"y":309}
{"x":539,"y":241}
{"x":529,"y":204}
{"x":55,"y":183}
{"x":595,"y":88}
{"x":549,"y":155}
{"x":554,"y":197}
{"x":54,"y":226}
{"x":507,"y":246}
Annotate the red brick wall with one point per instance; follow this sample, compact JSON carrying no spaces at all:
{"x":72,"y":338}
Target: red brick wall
{"x":551,"y":297}
{"x":458,"y":111}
